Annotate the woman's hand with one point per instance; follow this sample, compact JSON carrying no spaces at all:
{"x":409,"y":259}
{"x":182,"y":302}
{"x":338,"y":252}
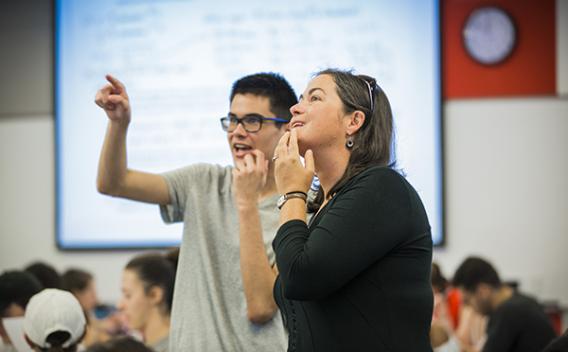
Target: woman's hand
{"x":290,"y":174}
{"x":249,"y":177}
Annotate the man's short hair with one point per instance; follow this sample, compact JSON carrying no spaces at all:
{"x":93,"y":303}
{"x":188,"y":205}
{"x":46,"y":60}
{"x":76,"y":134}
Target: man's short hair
{"x":474,"y":271}
{"x":270,"y":85}
{"x":17,"y":287}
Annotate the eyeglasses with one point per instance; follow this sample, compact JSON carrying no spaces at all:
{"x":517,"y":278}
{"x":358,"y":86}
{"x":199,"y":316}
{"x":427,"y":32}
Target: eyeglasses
{"x":251,"y":123}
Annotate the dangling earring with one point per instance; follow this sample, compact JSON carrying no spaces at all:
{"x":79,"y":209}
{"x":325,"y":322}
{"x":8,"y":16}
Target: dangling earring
{"x":349,"y":143}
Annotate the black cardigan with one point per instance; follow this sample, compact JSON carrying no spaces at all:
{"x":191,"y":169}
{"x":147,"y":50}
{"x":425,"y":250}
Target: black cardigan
{"x":358,"y":278}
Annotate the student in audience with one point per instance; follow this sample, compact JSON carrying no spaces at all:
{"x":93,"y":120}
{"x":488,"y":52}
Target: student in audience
{"x":120,"y":344}
{"x":223,"y":297}
{"x":517,"y":322}
{"x":147,"y":295}
{"x":442,"y":328}
{"x":82,"y":285}
{"x":46,"y":274}
{"x":54,"y":322}
{"x":455,"y":325}
{"x":447,"y":295}
{"x":357,"y":277}
{"x":16,"y":289}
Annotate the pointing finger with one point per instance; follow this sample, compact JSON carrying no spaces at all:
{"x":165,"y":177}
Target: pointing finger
{"x":116,"y":84}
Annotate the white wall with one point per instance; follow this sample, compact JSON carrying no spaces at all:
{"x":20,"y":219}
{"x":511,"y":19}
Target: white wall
{"x":507,"y":190}
{"x":562,"y":47}
{"x":506,"y":183}
{"x":27,"y":207}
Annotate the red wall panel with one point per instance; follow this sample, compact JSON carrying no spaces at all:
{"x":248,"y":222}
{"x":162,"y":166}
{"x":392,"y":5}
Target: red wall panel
{"x":531,"y":68}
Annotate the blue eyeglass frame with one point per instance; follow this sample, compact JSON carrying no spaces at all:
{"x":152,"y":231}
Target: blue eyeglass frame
{"x":240,"y":120}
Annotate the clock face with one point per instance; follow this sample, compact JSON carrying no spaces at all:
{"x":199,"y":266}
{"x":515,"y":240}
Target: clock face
{"x":489,"y":35}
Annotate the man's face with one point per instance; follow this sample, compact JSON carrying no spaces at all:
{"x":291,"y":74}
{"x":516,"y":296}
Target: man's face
{"x":480,"y":299}
{"x":265,"y":140}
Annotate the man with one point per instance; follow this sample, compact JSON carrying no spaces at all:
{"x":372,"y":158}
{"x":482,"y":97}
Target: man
{"x":516,"y":322}
{"x":223,"y":293}
{"x":16,"y":289}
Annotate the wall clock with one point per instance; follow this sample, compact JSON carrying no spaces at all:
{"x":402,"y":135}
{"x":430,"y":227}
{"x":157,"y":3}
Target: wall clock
{"x":489,"y":35}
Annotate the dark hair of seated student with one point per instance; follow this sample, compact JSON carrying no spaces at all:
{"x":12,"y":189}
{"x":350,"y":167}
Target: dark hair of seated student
{"x":76,"y":280}
{"x":81,"y":284}
{"x":439,"y":282}
{"x":16,"y":289}
{"x":46,"y":274}
{"x":120,"y":344}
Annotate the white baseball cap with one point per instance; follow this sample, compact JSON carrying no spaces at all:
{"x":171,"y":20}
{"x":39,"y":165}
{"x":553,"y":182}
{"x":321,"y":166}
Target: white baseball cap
{"x":54,"y":310}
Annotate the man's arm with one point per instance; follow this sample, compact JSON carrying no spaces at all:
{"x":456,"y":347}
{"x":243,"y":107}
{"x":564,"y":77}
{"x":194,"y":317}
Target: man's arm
{"x":114,"y":178}
{"x":258,"y":276}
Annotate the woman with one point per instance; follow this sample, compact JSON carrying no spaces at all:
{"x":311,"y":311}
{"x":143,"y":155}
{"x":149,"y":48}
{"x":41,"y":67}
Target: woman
{"x":82,"y":285}
{"x":357,"y":278}
{"x":147,"y":295}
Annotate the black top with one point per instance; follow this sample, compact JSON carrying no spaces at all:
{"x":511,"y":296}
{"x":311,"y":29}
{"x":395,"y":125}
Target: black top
{"x":518,"y":325}
{"x":559,"y":344}
{"x":358,"y":278}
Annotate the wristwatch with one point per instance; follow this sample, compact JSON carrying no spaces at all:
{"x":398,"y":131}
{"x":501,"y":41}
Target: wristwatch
{"x":284,"y":198}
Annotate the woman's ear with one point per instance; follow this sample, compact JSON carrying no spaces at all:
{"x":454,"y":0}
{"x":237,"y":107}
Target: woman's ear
{"x":156,"y":295}
{"x":355,"y":121}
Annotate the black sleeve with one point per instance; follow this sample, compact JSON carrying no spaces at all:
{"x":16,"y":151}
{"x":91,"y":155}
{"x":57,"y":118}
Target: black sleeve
{"x":501,"y":332}
{"x":366,"y":220}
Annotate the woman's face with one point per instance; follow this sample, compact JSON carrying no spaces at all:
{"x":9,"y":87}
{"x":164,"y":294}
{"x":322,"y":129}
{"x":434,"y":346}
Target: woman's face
{"x":135,"y":304}
{"x":319,"y":116}
{"x":87,"y":297}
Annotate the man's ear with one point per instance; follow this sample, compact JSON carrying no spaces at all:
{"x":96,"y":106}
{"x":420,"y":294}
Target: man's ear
{"x":355,"y":121}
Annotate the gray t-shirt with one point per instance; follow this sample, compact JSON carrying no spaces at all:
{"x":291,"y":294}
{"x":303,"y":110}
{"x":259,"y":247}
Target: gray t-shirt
{"x":209,"y":310}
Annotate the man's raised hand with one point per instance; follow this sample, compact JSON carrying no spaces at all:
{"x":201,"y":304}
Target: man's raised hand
{"x":114,"y":100}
